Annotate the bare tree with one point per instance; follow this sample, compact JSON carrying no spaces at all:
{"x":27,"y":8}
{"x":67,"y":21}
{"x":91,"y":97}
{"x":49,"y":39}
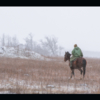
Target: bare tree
{"x":26,"y":43}
{"x":51,"y":45}
{"x":11,"y":41}
{"x":8,"y":41}
{"x":3,"y":40}
{"x":29,"y":42}
{"x":41,"y":50}
{"x":15,"y":41}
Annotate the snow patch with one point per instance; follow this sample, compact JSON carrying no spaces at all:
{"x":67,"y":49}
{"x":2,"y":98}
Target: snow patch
{"x":24,"y":54}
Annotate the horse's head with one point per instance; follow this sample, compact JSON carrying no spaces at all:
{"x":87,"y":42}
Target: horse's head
{"x":67,"y":56}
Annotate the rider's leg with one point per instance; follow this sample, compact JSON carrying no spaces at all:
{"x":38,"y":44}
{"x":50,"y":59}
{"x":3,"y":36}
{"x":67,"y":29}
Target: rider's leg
{"x":70,"y":63}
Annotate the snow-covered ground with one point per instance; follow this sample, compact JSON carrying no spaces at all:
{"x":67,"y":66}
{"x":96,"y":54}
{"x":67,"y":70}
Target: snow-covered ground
{"x":14,"y":53}
{"x":38,"y":87}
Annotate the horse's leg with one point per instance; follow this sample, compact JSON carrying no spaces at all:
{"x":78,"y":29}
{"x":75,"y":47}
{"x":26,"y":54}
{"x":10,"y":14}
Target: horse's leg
{"x":80,"y":72}
{"x":73,"y":73}
{"x":84,"y":67}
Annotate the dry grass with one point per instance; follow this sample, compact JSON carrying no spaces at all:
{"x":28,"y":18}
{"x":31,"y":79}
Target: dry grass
{"x":23,"y":76}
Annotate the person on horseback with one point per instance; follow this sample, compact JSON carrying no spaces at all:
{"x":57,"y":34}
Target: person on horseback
{"x":76,"y":52}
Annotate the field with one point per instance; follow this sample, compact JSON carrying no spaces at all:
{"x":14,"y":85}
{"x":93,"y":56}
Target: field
{"x":22,"y":76}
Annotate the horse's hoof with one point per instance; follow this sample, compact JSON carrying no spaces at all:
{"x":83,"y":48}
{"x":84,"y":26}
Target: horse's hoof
{"x":72,"y":78}
{"x":69,"y":78}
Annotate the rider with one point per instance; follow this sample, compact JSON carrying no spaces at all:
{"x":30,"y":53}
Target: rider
{"x":76,"y":52}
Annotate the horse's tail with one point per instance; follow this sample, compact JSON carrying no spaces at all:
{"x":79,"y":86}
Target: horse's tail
{"x":84,"y":67}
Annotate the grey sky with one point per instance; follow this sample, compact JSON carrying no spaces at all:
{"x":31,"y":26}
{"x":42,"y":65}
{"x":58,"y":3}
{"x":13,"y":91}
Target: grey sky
{"x":70,"y":25}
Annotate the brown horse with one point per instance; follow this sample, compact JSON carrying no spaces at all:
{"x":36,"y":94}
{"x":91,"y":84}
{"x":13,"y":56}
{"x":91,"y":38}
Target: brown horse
{"x":76,"y":64}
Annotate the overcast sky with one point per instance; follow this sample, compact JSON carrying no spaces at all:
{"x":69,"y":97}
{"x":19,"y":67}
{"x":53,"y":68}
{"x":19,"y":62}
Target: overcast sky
{"x":80,"y":25}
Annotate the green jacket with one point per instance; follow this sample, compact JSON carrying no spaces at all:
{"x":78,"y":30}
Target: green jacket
{"x":76,"y":52}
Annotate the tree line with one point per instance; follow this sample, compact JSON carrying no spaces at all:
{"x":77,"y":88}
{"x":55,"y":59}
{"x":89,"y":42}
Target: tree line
{"x":47,"y":47}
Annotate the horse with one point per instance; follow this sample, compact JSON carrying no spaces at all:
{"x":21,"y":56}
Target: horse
{"x":78,"y":63}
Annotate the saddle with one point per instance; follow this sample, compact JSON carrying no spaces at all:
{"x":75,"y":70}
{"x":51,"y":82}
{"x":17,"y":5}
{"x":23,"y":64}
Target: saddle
{"x":75,"y":60}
